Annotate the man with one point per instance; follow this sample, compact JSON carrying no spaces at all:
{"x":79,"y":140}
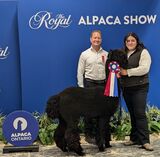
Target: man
{"x":91,"y":73}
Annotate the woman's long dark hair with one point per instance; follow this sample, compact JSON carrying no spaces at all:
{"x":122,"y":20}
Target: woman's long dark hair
{"x":139,"y":44}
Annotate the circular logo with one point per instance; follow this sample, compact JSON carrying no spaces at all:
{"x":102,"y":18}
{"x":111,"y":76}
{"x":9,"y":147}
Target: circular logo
{"x":20,"y":128}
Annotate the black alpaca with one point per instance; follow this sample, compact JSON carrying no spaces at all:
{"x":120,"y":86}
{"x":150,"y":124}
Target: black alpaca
{"x":74,"y":102}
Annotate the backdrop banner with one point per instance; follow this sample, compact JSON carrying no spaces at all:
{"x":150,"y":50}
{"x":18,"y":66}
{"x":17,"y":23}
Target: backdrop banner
{"x":52,"y":34}
{"x":10,"y":83}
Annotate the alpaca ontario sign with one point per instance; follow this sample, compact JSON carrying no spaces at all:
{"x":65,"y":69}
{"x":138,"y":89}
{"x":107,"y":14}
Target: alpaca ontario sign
{"x":20,"y":128}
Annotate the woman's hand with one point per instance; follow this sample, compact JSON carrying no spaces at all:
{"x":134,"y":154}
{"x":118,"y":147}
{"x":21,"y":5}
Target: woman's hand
{"x":123,"y":72}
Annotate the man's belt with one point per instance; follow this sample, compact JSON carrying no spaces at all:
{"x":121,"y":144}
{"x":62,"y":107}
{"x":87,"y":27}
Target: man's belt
{"x":95,"y":81}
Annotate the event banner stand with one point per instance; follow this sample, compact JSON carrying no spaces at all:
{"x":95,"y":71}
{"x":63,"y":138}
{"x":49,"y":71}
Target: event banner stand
{"x":12,"y":149}
{"x":20,"y":129}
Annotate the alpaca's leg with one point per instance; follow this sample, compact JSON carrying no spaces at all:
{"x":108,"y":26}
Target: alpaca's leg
{"x":107,"y":135}
{"x":100,"y":138}
{"x":73,"y":139}
{"x":59,"y":136}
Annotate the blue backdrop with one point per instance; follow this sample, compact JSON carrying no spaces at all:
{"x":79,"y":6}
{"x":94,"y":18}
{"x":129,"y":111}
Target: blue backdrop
{"x":10,"y":82}
{"x":52,"y":34}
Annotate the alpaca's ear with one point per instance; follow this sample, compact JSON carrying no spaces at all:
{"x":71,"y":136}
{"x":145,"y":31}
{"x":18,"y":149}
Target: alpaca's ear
{"x":109,"y":54}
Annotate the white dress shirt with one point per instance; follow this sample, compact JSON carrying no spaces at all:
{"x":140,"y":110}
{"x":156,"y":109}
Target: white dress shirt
{"x":91,"y":65}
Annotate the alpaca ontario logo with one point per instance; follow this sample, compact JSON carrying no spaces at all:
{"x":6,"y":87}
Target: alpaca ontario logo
{"x":4,"y":53}
{"x":20,"y":123}
{"x":23,"y":128}
{"x":46,"y":19}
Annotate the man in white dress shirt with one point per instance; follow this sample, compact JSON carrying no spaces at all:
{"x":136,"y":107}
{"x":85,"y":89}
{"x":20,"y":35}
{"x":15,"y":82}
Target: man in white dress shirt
{"x":91,"y":73}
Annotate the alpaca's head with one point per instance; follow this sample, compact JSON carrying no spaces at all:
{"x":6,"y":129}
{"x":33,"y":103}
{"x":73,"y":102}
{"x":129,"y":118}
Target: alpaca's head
{"x":52,"y":108}
{"x":119,"y":56}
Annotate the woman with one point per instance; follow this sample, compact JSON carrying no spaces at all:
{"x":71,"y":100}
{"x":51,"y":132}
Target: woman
{"x":135,"y":84}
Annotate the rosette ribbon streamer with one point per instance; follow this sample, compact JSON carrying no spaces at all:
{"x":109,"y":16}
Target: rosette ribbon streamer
{"x":111,"y":88}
